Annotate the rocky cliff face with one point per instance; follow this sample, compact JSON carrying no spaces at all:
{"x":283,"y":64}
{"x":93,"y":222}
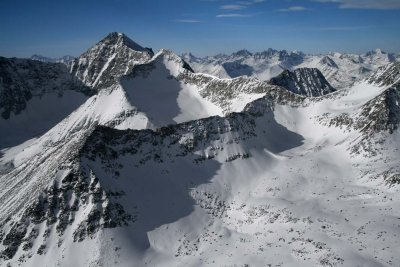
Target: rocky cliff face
{"x":22,"y":79}
{"x":304,"y":81}
{"x":108,"y":60}
{"x":34,"y":97}
{"x":386,"y":75}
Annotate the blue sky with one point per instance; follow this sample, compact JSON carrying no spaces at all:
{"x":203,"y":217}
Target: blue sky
{"x":204,"y":27}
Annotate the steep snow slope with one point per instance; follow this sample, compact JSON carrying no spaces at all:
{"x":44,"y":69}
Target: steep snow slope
{"x":283,"y":183}
{"x":341,"y":70}
{"x":166,"y":89}
{"x":109,"y":107}
{"x":34,"y":96}
{"x":155,"y":89}
{"x":304,"y":81}
{"x":232,"y":95}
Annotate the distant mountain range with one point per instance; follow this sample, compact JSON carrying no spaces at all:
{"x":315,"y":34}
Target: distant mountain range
{"x":126,"y":157}
{"x":64,"y":59}
{"x":341,"y":70}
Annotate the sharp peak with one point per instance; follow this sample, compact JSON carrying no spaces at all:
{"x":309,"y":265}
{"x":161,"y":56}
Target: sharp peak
{"x":315,"y":72}
{"x":327,"y":59}
{"x":112,"y":35}
{"x":171,"y":55}
{"x":167,"y":52}
{"x":242,"y":52}
{"x":115,"y":38}
{"x":189,"y":54}
{"x":116,"y":33}
{"x":376,"y":51}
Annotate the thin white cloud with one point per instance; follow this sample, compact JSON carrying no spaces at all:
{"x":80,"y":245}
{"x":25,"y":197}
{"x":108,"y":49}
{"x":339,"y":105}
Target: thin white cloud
{"x":365,"y":4}
{"x":294,"y":9}
{"x":234,"y":15}
{"x":187,"y":20}
{"x":236,"y":6}
{"x":251,"y":2}
{"x":232,"y":7}
{"x":342,"y":28}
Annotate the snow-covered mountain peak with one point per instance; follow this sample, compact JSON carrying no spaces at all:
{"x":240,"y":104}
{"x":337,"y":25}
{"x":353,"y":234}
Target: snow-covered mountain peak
{"x":174,"y":62}
{"x":268,"y":53}
{"x":189,"y":57}
{"x":119,"y":39}
{"x":378,"y":56}
{"x":328,"y":61}
{"x":108,"y":60}
{"x":242,"y":53}
{"x":376,"y":51}
{"x":304,"y":81}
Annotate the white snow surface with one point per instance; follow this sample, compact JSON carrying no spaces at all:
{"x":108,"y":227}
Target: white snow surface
{"x":285,"y":191}
{"x":164,"y":99}
{"x":300,"y":199}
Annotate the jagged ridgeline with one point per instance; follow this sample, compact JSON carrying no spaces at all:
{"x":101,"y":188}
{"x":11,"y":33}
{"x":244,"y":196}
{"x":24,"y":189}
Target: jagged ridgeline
{"x":34,"y":97}
{"x":341,"y":70}
{"x":145,"y":161}
{"x":23,"y":79}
